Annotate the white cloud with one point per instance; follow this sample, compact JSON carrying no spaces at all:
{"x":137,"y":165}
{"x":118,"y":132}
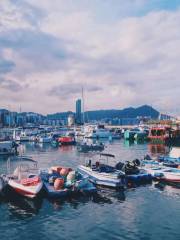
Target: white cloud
{"x":130,"y":59}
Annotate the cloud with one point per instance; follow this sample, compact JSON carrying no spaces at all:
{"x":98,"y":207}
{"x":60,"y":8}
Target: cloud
{"x":67,"y":90}
{"x":123,"y":53}
{"x":6,"y":66}
{"x":10,"y":85}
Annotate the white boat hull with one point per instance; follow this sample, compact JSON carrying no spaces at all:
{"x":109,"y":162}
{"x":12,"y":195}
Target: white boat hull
{"x":102,"y":179}
{"x":26,"y":191}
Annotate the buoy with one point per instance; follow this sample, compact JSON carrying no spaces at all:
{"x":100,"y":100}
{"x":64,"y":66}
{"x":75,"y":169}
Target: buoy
{"x":56,"y":169}
{"x":71,"y":176}
{"x":58,"y":183}
{"x":64,"y":171}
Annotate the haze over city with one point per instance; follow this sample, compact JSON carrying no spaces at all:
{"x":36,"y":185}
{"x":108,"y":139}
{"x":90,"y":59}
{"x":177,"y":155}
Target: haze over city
{"x":124,"y":53}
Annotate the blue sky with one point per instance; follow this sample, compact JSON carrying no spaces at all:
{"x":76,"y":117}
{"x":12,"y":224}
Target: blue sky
{"x":124,"y":53}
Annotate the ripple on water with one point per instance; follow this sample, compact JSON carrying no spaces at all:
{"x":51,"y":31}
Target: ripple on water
{"x":148,"y":212}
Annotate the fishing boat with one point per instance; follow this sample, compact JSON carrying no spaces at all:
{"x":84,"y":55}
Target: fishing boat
{"x":62,"y":182}
{"x":85,"y":147}
{"x":97,"y":132}
{"x":8,"y":148}
{"x":22,"y":137}
{"x":45,"y":139}
{"x":160,"y":161}
{"x":170,"y":175}
{"x":155,"y":171}
{"x":103,"y":174}
{"x":174,"y":155}
{"x":67,"y":140}
{"x":135,"y":134}
{"x":116,"y":134}
{"x":26,"y":181}
{"x":164,"y":135}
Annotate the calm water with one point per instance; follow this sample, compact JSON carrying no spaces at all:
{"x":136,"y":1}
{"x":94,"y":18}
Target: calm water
{"x":146,"y":212}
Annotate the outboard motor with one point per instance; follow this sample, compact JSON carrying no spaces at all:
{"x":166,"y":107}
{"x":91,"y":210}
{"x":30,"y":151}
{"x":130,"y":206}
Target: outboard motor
{"x":131,"y":168}
{"x":136,"y":162}
{"x":119,"y":166}
{"x":147,"y":157}
{"x":89,"y":163}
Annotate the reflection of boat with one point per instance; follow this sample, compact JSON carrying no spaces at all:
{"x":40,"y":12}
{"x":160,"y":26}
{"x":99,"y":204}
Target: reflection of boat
{"x":156,"y":149}
{"x":103,"y":174}
{"x":22,"y":207}
{"x":25,"y":180}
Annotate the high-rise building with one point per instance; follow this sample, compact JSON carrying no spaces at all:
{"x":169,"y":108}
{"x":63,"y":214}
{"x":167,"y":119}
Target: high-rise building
{"x":78,"y":112}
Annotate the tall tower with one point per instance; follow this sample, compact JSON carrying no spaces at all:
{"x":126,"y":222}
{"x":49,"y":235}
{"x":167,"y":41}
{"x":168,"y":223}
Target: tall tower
{"x":78,"y":112}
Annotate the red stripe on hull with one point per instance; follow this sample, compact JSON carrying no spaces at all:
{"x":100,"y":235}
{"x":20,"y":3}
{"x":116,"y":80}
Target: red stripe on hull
{"x":24,"y":193}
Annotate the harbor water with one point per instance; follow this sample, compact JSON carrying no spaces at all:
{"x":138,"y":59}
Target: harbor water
{"x":148,"y":212}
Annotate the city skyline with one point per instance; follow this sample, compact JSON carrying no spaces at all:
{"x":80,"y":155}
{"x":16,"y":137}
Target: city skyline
{"x":124,"y":53}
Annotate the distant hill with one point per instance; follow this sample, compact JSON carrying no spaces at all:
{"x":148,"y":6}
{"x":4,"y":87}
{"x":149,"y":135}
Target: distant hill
{"x":143,"y":111}
{"x":60,"y":115}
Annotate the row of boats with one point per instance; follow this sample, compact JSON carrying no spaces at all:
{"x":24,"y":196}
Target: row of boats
{"x":57,"y":181}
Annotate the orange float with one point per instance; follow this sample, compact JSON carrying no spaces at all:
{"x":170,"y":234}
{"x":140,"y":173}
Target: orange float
{"x":58,"y":184}
{"x":64,"y":171}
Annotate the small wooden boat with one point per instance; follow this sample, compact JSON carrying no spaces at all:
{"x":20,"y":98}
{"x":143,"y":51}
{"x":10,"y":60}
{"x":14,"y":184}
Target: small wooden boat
{"x":25,"y":181}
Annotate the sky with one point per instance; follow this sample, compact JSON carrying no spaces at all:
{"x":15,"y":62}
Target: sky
{"x":122,"y":52}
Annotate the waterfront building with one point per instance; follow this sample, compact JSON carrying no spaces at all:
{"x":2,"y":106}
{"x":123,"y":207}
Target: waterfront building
{"x":71,"y":120}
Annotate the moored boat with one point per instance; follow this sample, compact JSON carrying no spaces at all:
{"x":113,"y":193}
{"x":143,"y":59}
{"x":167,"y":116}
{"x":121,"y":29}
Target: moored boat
{"x":102,"y":174}
{"x":164,"y":135}
{"x":170,"y":175}
{"x":8,"y":148}
{"x":67,"y":140}
{"x":85,"y":147}
{"x":26,"y":181}
{"x":62,"y":182}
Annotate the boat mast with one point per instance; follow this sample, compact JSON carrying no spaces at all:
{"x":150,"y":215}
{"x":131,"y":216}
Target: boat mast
{"x":83,"y":118}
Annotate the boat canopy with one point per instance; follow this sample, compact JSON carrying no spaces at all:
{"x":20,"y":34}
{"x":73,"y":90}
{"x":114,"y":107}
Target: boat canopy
{"x":175,"y":152}
{"x":107,"y":155}
{"x":6,"y":145}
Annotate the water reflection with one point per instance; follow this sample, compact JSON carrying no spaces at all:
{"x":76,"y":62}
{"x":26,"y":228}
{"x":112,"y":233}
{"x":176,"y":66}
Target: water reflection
{"x":20,"y":207}
{"x":108,"y":214}
{"x":156,"y":149}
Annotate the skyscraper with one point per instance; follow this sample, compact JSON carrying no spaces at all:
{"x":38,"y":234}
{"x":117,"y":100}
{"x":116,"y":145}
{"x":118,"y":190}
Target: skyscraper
{"x":78,"y":112}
